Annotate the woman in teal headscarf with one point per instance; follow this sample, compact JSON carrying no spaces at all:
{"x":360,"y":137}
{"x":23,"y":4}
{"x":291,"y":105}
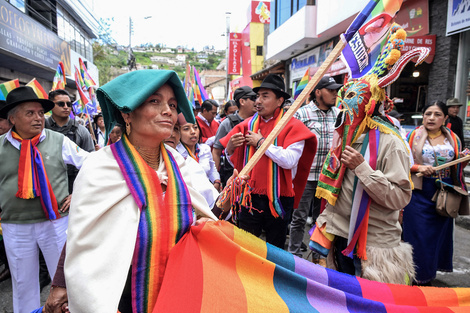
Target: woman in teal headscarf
{"x":132,"y":200}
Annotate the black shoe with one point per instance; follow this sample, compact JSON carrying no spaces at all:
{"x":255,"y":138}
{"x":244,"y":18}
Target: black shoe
{"x":303,"y":247}
{"x":5,"y":274}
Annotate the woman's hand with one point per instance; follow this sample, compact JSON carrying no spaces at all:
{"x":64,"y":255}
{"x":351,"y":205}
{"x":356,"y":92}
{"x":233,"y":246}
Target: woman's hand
{"x":218,"y":185}
{"x":426,"y":170}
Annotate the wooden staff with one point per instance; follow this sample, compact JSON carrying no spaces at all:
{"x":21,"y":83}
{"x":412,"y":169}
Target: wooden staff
{"x":451,"y":163}
{"x":293,"y":108}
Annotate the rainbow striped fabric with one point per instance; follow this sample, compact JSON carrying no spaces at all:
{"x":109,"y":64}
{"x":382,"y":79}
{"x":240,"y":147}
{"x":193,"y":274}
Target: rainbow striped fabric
{"x":163,"y":219}
{"x":40,"y":92}
{"x":302,"y":84}
{"x":217,"y":267}
{"x":87,"y":80}
{"x":59,"y":81}
{"x":274,"y":185}
{"x":32,"y":177}
{"x":8,"y":86}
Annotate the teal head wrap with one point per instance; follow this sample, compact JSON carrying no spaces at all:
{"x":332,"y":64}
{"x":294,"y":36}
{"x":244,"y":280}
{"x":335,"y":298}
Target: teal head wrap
{"x":127,"y":92}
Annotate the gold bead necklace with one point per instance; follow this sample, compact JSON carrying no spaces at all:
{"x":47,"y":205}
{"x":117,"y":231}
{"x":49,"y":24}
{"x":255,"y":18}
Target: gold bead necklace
{"x":150,"y":155}
{"x":434,"y":136}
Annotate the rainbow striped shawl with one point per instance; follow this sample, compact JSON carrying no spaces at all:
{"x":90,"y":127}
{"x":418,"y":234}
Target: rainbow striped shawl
{"x":217,"y":267}
{"x":163,"y":221}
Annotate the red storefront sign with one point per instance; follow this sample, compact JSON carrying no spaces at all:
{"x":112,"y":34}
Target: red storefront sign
{"x":414,"y":17}
{"x":234,"y":55}
{"x":260,"y":12}
{"x":428,"y":41}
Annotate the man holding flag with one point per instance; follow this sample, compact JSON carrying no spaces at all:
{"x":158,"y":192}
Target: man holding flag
{"x":320,"y":117}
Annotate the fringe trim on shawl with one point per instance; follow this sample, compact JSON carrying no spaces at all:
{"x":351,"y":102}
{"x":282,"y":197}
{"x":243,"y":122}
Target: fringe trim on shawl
{"x":390,"y":265}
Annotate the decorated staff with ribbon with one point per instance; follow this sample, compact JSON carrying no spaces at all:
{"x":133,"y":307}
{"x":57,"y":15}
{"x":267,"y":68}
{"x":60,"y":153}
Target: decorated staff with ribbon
{"x":34,"y":195}
{"x":133,"y":200}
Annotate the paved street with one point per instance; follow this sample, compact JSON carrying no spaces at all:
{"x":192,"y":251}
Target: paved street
{"x":459,"y":278}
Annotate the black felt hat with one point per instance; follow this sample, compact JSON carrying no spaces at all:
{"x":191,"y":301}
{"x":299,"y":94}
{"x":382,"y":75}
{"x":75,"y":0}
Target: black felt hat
{"x":23,"y":94}
{"x":275,"y":83}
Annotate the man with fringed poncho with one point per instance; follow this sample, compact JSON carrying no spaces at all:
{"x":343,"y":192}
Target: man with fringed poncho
{"x":278,"y":179}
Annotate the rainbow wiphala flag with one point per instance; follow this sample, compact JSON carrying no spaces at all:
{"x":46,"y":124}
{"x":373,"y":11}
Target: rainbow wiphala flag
{"x":217,"y":267}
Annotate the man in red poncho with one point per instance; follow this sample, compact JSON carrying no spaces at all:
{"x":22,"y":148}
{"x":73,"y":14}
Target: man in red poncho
{"x":278,"y":179}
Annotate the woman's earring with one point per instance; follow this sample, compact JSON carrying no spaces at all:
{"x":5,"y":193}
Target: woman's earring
{"x":128,"y":128}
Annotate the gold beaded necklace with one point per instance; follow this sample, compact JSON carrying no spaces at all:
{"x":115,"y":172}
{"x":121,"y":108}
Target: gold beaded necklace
{"x":434,"y":136}
{"x":150,"y":155}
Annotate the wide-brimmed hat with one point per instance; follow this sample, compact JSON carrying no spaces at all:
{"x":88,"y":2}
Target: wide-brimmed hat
{"x":127,"y":92}
{"x":243,"y":92}
{"x":23,"y":94}
{"x":453,"y":101}
{"x":275,"y":83}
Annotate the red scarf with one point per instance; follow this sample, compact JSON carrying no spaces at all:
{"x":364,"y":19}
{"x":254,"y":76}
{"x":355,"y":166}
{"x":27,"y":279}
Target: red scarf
{"x":32,"y":177}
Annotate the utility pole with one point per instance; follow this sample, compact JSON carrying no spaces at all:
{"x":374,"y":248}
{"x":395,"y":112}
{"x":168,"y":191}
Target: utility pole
{"x":227,"y":34}
{"x":131,"y":58}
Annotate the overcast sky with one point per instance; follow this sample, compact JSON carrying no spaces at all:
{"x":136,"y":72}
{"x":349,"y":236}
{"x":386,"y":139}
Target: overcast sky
{"x":191,"y":23}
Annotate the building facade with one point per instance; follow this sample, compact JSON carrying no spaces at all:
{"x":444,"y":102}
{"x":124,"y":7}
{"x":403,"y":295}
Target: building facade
{"x":303,"y":32}
{"x":35,"y":35}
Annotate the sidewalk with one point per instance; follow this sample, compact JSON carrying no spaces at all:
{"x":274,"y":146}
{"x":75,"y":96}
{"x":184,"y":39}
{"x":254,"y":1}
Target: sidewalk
{"x":463,"y":221}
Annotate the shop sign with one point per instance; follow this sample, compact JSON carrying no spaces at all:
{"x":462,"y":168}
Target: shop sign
{"x":414,"y":17}
{"x":428,"y":41}
{"x":260,"y":12}
{"x":26,"y":38}
{"x":458,"y":17}
{"x":234,"y":56}
{"x":311,"y":59}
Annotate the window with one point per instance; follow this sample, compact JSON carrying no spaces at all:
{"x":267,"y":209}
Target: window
{"x":259,"y":50}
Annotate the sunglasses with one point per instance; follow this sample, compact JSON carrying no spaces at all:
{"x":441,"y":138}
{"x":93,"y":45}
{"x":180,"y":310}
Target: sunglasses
{"x":252,"y":98}
{"x":63,"y":103}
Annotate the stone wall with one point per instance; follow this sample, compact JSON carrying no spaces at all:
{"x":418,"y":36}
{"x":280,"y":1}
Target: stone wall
{"x":443,"y":68}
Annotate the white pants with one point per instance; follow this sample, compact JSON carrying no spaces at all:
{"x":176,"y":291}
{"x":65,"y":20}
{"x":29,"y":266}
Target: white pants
{"x":22,"y":244}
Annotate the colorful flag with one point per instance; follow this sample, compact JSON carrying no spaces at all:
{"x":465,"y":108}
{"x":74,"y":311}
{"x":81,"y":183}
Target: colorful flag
{"x":42,"y":94}
{"x":59,"y":77}
{"x":367,"y":35}
{"x":191,"y":97}
{"x":83,"y":99}
{"x":303,"y":82}
{"x":79,"y":79}
{"x":8,"y":86}
{"x":187,"y":80}
{"x":87,"y":80}
{"x":232,"y":271}
{"x":202,"y":91}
